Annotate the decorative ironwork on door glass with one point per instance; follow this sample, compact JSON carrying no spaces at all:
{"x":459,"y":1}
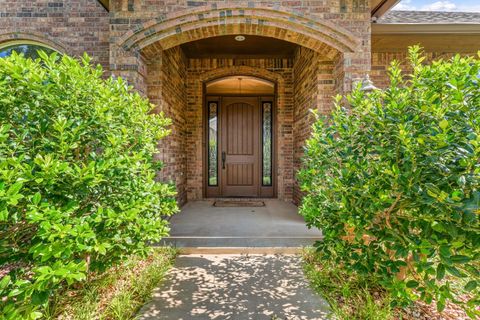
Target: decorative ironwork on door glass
{"x":267,"y":117}
{"x":213,"y":144}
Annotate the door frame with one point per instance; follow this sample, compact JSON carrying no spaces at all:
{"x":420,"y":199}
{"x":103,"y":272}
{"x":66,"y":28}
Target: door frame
{"x":215,"y":191}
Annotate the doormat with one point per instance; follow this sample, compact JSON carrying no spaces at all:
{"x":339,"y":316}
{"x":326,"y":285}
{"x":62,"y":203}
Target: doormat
{"x":231,"y":203}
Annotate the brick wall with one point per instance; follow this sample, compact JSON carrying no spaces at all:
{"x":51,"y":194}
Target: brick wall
{"x":314,"y":86}
{"x":387,"y":48}
{"x":73,"y":26}
{"x":166,"y":84}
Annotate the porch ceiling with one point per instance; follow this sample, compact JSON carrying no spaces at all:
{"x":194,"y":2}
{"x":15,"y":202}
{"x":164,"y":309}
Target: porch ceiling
{"x":228,"y":47}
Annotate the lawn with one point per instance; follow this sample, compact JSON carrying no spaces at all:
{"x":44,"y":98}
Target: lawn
{"x":116,"y":294}
{"x":352,"y":297}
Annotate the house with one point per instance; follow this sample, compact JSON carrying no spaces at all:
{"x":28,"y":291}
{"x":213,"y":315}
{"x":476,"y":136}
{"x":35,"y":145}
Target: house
{"x":237,"y":78}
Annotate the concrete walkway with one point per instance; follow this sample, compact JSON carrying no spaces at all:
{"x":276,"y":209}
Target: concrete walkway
{"x":270,"y":287}
{"x":278,"y":224}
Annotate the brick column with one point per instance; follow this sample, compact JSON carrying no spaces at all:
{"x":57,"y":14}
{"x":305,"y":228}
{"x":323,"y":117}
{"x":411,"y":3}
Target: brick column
{"x":131,"y":66}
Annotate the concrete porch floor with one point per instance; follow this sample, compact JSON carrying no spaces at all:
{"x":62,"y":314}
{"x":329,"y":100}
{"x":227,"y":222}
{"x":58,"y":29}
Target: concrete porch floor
{"x":276,"y":225}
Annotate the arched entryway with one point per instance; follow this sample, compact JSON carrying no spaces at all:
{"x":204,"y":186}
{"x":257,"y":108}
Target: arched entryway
{"x":270,"y":87}
{"x":173,"y":58}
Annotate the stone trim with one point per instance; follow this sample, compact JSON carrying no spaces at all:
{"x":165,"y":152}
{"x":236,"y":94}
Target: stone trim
{"x":172,"y":29}
{"x":37,"y":37}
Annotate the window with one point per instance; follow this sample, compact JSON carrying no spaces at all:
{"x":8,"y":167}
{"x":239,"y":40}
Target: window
{"x":267,"y":143}
{"x":28,"y":48}
{"x":240,"y":85}
{"x":212,"y":144}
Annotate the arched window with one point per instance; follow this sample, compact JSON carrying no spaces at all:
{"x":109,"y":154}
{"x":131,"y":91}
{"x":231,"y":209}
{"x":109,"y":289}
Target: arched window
{"x":240,"y":85}
{"x":28,"y":48}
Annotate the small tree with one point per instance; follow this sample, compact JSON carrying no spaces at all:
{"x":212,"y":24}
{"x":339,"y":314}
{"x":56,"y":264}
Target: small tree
{"x":77,"y":177}
{"x":393,"y":182}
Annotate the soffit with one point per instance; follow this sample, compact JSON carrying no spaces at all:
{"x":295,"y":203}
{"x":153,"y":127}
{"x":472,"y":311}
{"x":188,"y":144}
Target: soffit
{"x":228,"y":47}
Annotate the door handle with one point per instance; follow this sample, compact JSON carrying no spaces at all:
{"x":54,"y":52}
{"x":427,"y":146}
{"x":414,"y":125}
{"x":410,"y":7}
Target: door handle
{"x":224,"y":157}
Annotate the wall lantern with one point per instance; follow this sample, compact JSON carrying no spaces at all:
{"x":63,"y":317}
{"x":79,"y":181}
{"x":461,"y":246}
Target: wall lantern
{"x":367,"y":85}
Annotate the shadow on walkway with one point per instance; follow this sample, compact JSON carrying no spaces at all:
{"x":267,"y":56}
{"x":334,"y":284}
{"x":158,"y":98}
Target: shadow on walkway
{"x":236,"y":287}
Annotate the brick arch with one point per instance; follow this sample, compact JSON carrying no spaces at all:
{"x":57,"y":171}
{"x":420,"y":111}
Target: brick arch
{"x":284,"y":118}
{"x":176,"y":28}
{"x":40,"y":38}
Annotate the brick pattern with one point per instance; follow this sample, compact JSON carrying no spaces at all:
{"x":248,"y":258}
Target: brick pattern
{"x":174,"y":28}
{"x":314,"y":86}
{"x":72,"y":27}
{"x":381,"y":61}
{"x":166,"y":87}
{"x":329,"y":28}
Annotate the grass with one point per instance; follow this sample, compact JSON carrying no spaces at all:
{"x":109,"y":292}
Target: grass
{"x":349,"y":297}
{"x":118,"y":293}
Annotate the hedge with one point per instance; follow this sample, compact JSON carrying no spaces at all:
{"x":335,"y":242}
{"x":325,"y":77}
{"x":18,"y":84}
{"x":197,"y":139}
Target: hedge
{"x":77,"y":177}
{"x":392,"y":179}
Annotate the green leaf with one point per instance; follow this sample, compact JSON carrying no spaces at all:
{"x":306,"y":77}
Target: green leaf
{"x":412,"y":284}
{"x":4,"y":282}
{"x":460,"y":259}
{"x":440,"y":272}
{"x":443,"y":124}
{"x":440,"y":305}
{"x":454,"y":271}
{"x":39,"y":298}
{"x":36,"y":198}
{"x":471,"y":285}
{"x":14,"y":189}
{"x":4,"y":215}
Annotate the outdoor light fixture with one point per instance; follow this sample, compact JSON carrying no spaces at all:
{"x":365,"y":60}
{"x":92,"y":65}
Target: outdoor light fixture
{"x":367,"y":84}
{"x":240,"y":38}
{"x":240,"y":85}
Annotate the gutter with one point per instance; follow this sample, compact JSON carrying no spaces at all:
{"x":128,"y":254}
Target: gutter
{"x":421,"y":28}
{"x":383,"y":8}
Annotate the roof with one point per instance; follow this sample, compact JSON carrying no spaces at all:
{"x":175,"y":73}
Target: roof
{"x":429,"y":17}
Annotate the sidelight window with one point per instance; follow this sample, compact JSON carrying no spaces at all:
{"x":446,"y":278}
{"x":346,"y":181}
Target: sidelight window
{"x":267,"y":143}
{"x":213,"y":144}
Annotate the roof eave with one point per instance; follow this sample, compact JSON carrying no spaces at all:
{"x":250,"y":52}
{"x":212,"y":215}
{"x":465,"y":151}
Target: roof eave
{"x":414,"y":28}
{"x":383,"y":7}
{"x":105,"y":4}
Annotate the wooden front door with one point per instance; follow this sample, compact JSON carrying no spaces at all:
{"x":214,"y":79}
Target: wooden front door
{"x":240,"y":139}
{"x":236,"y":150}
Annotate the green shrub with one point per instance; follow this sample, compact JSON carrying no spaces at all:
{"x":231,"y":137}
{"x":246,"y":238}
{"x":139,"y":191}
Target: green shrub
{"x":393,"y":181}
{"x":77,"y":177}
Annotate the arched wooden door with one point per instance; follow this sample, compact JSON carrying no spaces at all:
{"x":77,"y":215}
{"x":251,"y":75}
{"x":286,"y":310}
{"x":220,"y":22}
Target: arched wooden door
{"x":240,"y":145}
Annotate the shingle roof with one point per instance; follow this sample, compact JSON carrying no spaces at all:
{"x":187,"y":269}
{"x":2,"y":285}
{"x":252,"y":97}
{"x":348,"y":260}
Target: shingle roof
{"x":429,"y":17}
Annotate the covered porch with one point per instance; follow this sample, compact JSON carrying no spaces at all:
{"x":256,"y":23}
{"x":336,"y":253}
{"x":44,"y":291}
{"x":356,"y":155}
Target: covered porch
{"x":200,"y":224}
{"x":239,"y":84}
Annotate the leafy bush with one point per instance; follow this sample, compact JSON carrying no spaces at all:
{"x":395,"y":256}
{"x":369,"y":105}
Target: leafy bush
{"x":77,"y":177}
{"x":393,"y":181}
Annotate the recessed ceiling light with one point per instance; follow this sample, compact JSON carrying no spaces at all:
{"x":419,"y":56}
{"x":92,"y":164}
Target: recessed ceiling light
{"x":240,"y":38}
